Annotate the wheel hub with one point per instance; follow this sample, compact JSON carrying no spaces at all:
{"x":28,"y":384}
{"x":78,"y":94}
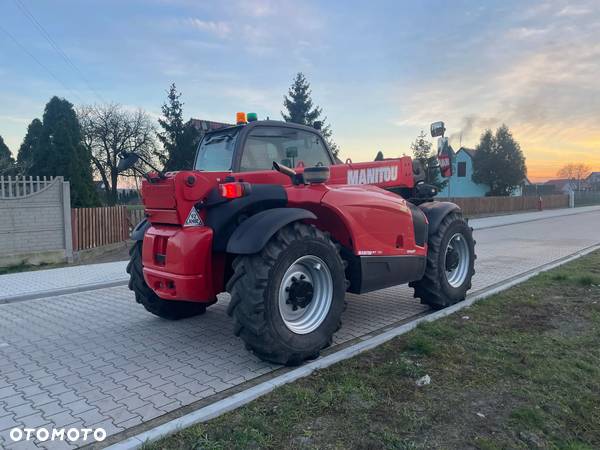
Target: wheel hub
{"x":305,"y":294}
{"x":457,"y":260}
{"x":452,"y":259}
{"x":300,"y":293}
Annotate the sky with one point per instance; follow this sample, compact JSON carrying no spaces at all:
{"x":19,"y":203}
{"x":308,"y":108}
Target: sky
{"x":381,"y":70}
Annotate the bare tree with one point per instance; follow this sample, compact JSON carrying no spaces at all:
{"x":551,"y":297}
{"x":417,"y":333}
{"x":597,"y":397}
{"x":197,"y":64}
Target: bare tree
{"x":575,"y":173}
{"x":110,"y":129}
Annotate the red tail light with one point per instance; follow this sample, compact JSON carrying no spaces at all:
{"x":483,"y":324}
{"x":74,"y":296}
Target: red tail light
{"x":233,"y":190}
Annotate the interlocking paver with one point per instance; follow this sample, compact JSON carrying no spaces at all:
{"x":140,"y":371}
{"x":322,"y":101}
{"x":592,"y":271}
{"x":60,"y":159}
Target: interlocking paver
{"x":122,"y":413}
{"x":62,"y":419}
{"x":99,"y":357}
{"x":148,"y":412}
{"x":50,"y":409}
{"x":133,"y":401}
{"x":104,"y":404}
{"x":91,"y":417}
{"x":8,"y":422}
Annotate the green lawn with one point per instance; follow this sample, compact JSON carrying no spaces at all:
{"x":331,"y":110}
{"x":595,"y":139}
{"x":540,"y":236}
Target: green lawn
{"x":518,"y":370}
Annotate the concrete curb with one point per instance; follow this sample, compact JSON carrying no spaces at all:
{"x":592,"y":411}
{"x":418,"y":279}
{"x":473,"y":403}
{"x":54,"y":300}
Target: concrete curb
{"x":68,"y":290}
{"x":241,"y":398}
{"x":567,"y":212}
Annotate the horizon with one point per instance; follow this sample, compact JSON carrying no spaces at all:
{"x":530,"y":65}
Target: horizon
{"x":381,"y":75}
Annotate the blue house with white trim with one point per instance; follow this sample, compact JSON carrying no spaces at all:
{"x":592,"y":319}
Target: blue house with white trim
{"x":461,"y":183}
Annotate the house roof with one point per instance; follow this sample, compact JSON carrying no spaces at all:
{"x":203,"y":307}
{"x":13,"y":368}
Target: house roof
{"x":559,"y":182}
{"x":593,"y":176}
{"x":469,"y":151}
{"x":208,"y":125}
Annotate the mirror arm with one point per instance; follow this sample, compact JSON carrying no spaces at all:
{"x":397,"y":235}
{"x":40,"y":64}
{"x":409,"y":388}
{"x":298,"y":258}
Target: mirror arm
{"x":142,"y":173}
{"x":159,"y":172}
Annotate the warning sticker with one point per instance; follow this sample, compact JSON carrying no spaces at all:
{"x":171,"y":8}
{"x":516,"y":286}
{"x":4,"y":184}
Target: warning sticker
{"x":193,"y":219}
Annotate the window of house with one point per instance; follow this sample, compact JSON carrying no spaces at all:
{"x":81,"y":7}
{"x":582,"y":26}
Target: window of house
{"x":462,"y":169}
{"x":286,"y":146}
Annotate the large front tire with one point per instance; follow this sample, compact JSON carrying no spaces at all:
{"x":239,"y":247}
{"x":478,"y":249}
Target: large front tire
{"x":287,"y":300}
{"x":167,"y":309}
{"x":450,"y":264}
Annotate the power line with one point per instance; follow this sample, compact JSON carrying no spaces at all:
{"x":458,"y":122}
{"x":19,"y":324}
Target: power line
{"x":42,"y":65}
{"x":56,"y":47}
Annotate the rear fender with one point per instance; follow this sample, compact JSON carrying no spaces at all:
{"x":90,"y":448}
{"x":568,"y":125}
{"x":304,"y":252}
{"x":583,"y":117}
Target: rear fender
{"x":140,"y":230}
{"x":435,"y":213}
{"x":253,"y":233}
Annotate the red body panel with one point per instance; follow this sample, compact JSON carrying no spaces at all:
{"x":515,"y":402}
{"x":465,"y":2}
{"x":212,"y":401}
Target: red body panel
{"x":185,"y":273}
{"x":179,"y":263}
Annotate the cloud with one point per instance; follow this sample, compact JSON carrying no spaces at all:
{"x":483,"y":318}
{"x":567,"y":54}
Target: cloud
{"x":527,"y":33}
{"x":219,"y":29}
{"x":572,"y":10}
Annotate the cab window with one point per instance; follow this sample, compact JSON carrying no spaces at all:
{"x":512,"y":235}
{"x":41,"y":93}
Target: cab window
{"x":287,"y":146}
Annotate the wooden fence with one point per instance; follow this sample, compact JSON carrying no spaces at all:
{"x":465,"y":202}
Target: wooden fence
{"x":587,"y":198}
{"x":476,"y":206}
{"x":95,"y":227}
{"x":135,"y":216}
{"x":18,"y":186}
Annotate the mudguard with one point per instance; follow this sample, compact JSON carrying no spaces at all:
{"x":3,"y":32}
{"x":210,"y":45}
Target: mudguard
{"x":435,"y":213}
{"x":254,"y":233}
{"x":140,"y":229}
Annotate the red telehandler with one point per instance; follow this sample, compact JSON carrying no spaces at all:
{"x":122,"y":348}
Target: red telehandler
{"x":269,"y":215}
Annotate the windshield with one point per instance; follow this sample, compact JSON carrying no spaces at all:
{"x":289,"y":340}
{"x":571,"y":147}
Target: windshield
{"x":216,"y":151}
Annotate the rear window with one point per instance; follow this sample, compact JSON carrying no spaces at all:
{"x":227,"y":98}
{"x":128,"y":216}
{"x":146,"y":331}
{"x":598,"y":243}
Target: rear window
{"x":215,"y":152}
{"x":287,"y":146}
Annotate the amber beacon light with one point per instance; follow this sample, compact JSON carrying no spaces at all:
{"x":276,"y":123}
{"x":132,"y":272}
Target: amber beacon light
{"x":240,"y":118}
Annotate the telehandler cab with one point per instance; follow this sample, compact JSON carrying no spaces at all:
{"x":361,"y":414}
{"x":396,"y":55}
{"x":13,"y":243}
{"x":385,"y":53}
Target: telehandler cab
{"x":269,"y":215}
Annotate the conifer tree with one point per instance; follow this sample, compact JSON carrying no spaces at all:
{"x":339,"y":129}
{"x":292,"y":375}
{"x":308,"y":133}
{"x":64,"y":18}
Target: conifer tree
{"x":300,"y":109}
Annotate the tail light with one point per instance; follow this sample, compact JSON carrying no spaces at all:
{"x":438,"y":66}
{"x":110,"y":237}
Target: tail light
{"x":234,"y":190}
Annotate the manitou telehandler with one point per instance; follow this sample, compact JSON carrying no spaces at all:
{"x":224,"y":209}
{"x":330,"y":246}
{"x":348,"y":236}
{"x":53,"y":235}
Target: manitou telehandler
{"x":269,"y":215}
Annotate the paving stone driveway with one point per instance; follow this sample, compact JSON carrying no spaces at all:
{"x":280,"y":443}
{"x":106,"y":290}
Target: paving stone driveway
{"x":97,"y":359}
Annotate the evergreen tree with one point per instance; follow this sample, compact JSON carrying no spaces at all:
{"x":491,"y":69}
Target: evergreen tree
{"x":7,"y":162}
{"x":179,"y":139}
{"x":62,"y":153}
{"x":300,"y":109}
{"x":499,"y":162}
{"x":422,"y":152}
{"x":29,"y":147}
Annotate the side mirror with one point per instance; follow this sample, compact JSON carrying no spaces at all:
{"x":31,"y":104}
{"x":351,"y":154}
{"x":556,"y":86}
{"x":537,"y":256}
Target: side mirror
{"x":437,"y":129}
{"x":127,"y":161}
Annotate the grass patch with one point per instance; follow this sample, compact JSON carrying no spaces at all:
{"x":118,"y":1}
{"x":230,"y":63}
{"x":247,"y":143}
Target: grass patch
{"x":23,"y":267}
{"x":522,"y":371}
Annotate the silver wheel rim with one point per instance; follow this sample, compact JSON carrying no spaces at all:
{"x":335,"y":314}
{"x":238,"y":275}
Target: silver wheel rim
{"x":307,"y":269}
{"x":457,"y":273}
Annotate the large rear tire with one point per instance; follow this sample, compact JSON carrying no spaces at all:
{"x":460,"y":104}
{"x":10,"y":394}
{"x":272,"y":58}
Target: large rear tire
{"x":450,"y":264}
{"x":287,"y":301}
{"x":167,"y":309}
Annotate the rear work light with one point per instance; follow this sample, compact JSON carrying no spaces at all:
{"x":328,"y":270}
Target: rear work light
{"x":234,"y":190}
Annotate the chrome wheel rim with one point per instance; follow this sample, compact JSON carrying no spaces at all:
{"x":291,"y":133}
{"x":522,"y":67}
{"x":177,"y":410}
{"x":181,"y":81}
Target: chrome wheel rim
{"x":456,"y":259}
{"x":305,"y":294}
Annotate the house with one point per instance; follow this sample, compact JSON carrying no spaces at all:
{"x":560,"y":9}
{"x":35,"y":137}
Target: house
{"x":593,"y":181}
{"x":461,"y":183}
{"x":565,"y":185}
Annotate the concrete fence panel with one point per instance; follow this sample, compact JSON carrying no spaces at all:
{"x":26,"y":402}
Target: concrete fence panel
{"x":34,"y":220}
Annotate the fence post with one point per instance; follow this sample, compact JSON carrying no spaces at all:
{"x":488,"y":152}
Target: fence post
{"x":66,"y":201}
{"x":75,"y":229}
{"x":571,"y":199}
